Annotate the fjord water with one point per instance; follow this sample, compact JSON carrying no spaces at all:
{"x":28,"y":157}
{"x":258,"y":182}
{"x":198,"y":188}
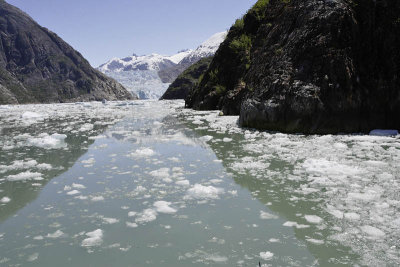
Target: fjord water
{"x":150,"y":183}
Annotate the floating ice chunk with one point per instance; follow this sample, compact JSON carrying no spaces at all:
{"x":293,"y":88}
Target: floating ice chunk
{"x":313,"y":219}
{"x":167,"y":180}
{"x":164,"y":207}
{"x":131,"y":225}
{"x":160,"y":173}
{"x":147,"y":215}
{"x":379,"y":132}
{"x":216,"y":258}
{"x":267,"y":216}
{"x":18,"y":165}
{"x":23,"y":176}
{"x":78,"y":186}
{"x":352,"y":216}
{"x":39,"y":237}
{"x":110,"y":220}
{"x":274,"y":240}
{"x":295,"y":224}
{"x":143,"y":153}
{"x":206,"y":138}
{"x":216,"y":181}
{"x":132,"y":214}
{"x":372,"y":231}
{"x":5,"y":200}
{"x":86,"y":127}
{"x":329,"y":168}
{"x":335,"y":212}
{"x":48,"y":141}
{"x":97,"y":199}
{"x":183,"y":182}
{"x":90,"y":161}
{"x":198,"y":122}
{"x":174,"y":159}
{"x":340,"y":145}
{"x":396,"y":222}
{"x":199,"y":191}
{"x":368,"y":196}
{"x":95,"y":238}
{"x":73,"y":192}
{"x":227,"y":140}
{"x":315,"y":241}
{"x":266,"y":255}
{"x":44,"y":166}
{"x":33,"y":257}
{"x":56,"y":234}
{"x":29,"y":115}
{"x":140,"y":188}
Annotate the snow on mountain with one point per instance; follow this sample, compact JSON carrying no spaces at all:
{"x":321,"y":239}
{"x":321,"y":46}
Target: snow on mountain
{"x":141,"y":74}
{"x":148,"y":62}
{"x":207,"y":48}
{"x":181,"y":55}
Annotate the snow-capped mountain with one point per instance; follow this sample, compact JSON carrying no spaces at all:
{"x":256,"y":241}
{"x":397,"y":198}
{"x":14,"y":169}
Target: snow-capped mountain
{"x":148,"y":62}
{"x":149,"y":76}
{"x":206,"y":49}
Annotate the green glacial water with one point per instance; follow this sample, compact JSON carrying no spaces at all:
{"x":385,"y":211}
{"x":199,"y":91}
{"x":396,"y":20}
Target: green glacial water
{"x":149,"y":183}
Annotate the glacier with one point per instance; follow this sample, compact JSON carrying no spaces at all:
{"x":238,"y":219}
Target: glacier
{"x":141,"y":74}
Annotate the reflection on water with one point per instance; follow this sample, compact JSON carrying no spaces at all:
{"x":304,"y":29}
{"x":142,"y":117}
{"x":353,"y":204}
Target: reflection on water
{"x":39,"y":143}
{"x":333,"y":190}
{"x":147,"y":183}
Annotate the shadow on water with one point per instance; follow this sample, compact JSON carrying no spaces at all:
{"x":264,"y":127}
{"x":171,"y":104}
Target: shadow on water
{"x":61,"y":159}
{"x":277,"y":193}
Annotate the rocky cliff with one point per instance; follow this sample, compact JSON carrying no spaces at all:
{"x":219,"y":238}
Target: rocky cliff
{"x":38,"y":66}
{"x":309,"y":66}
{"x":187,"y":81}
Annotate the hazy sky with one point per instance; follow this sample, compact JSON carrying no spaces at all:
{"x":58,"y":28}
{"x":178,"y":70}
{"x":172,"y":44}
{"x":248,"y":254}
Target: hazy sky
{"x":103,"y":29}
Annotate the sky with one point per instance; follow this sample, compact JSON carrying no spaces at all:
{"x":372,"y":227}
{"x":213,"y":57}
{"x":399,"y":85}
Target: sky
{"x":104,"y":29}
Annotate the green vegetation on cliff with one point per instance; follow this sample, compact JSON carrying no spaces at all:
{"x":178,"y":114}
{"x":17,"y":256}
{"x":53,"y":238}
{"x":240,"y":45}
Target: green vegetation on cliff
{"x":231,"y":62}
{"x":308,"y":66}
{"x":188,"y":80}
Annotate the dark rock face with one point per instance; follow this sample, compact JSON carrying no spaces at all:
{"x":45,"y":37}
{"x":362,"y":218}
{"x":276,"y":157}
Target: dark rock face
{"x":36,"y":66}
{"x":313,"y":67}
{"x":185,"y":82}
{"x":168,"y":75}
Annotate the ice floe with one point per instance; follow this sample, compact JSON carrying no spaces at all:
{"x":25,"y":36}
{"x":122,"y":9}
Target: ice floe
{"x":5,"y":200}
{"x":164,"y":207}
{"x":56,"y":234}
{"x":267,"y":255}
{"x":23,"y":176}
{"x":199,"y":191}
{"x":313,"y":219}
{"x":47,"y":141}
{"x":95,"y":238}
{"x":147,"y":215}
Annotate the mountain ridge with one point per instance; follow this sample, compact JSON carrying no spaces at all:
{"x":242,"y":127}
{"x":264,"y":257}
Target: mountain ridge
{"x":37,"y":66}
